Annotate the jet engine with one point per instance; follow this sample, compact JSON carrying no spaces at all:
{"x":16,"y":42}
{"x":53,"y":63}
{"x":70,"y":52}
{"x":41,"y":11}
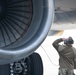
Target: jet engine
{"x":24,"y":24}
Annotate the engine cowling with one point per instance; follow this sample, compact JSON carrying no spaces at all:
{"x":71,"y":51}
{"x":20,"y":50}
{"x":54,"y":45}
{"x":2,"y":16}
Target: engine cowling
{"x":24,"y":24}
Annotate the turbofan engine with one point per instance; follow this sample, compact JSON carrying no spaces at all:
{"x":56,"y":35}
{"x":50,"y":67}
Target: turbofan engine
{"x":24,"y":24}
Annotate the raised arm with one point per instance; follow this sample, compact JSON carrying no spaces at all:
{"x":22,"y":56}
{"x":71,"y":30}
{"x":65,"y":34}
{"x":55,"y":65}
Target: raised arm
{"x":56,"y":43}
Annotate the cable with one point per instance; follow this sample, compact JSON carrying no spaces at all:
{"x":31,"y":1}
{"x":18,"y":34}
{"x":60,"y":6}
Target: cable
{"x":49,"y":57}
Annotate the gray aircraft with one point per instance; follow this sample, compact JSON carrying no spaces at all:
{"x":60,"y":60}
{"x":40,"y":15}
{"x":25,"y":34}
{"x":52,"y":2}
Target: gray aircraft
{"x":24,"y":24}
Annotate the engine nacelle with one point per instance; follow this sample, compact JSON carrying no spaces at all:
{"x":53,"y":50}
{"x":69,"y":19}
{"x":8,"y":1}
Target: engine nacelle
{"x":24,"y":24}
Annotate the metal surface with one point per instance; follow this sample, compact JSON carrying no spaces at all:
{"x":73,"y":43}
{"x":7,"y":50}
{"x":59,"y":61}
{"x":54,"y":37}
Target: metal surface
{"x":15,"y":20}
{"x":64,"y":20}
{"x":43,"y":11}
{"x":65,"y":5}
{"x":65,"y":15}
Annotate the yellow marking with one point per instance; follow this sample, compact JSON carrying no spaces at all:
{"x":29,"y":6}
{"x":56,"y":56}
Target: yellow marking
{"x":59,"y":33}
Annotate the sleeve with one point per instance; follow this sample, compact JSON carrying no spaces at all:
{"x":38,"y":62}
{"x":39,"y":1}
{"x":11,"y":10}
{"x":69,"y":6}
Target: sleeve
{"x":74,"y":58}
{"x":56,"y":43}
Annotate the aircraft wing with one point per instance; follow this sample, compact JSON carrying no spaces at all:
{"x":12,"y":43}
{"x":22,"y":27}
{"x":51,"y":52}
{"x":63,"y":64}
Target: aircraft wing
{"x":65,"y":15}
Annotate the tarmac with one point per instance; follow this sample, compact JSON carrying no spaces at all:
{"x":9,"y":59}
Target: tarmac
{"x":49,"y":55}
{"x":64,"y":25}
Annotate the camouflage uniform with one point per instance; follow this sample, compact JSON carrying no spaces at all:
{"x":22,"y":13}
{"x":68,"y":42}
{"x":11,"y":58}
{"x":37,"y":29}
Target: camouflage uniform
{"x":65,"y":71}
{"x":66,"y":60}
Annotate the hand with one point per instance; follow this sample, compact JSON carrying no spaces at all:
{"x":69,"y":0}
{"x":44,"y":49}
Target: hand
{"x":64,"y":39}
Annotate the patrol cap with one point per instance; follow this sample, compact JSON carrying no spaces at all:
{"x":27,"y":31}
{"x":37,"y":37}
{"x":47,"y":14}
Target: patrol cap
{"x":69,"y":41}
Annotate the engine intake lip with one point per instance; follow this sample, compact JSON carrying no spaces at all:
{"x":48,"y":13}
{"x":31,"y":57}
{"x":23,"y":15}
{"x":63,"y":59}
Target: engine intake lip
{"x":43,"y":11}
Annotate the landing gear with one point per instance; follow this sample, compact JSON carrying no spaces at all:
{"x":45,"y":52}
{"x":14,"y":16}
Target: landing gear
{"x":31,"y":65}
{"x":36,"y":66}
